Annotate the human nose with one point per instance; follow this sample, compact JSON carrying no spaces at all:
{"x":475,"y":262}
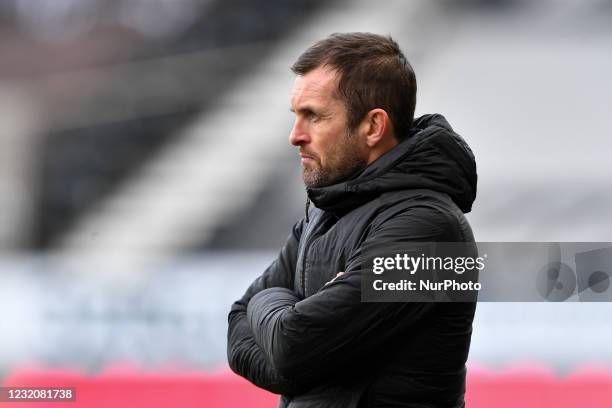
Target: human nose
{"x":298,"y":135}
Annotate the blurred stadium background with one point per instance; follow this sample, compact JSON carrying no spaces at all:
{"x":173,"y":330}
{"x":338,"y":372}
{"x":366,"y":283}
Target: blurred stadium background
{"x":146,"y":176}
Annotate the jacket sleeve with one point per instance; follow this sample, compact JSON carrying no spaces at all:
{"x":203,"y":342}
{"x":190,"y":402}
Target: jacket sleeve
{"x":332,"y":329}
{"x":245,"y":357}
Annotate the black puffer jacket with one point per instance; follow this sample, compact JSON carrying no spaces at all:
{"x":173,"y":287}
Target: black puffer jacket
{"x":318,"y":345}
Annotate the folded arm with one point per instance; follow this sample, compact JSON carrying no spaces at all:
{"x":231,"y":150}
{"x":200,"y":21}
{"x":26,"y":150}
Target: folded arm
{"x":326,"y":332}
{"x":245,"y":357}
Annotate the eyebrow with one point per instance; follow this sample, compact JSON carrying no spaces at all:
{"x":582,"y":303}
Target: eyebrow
{"x":304,"y":109}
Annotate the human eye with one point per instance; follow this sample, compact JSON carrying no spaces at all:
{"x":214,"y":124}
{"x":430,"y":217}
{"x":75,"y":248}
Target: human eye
{"x":311,"y":116}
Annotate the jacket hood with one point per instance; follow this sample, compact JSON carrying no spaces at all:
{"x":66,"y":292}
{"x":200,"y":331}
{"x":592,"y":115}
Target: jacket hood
{"x":432,"y":157}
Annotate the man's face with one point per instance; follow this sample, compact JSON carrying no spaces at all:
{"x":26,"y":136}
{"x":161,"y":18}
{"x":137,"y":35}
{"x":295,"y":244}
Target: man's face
{"x":330,"y":152}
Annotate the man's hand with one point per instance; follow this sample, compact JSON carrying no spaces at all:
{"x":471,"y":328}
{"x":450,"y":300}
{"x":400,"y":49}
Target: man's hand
{"x":335,"y":277}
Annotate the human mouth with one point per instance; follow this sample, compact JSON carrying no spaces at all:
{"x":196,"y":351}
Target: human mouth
{"x":306,"y":158}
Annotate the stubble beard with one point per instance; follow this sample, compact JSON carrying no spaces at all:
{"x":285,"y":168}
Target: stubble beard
{"x":345,"y":160}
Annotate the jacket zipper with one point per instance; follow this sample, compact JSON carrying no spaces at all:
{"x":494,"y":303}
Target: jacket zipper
{"x":319,"y":223}
{"x":306,"y":246}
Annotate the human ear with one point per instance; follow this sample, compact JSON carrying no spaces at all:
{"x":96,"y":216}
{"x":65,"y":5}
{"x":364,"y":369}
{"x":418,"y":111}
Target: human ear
{"x":375,"y":124}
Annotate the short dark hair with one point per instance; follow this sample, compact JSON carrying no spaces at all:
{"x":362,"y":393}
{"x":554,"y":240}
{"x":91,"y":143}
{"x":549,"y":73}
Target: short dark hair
{"x":373,"y":74}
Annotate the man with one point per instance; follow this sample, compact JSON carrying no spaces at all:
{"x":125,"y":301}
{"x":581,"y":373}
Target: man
{"x":376,"y":177}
